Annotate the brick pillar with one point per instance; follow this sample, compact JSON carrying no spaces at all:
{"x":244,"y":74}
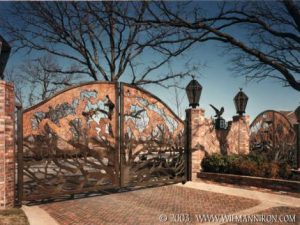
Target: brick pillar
{"x":239,"y":135}
{"x":195,"y":119}
{"x":7,"y":145}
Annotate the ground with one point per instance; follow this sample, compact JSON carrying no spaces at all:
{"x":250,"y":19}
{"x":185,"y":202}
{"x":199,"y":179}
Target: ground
{"x":13,"y":217}
{"x":145,"y":206}
{"x":173,"y":204}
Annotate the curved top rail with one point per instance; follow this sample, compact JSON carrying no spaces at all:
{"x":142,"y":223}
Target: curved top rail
{"x":103,"y":82}
{"x":65,"y":90}
{"x":271,"y":111}
{"x":155,"y":97}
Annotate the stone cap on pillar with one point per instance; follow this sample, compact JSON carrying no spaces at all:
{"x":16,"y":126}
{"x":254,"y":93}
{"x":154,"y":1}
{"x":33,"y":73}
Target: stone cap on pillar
{"x":238,"y":117}
{"x":195,"y":110}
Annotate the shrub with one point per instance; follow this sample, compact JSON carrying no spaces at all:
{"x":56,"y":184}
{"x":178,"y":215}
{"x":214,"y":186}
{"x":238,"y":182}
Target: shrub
{"x":248,"y":168}
{"x":258,"y":158}
{"x":270,"y":170}
{"x":285,"y":171}
{"x":215,"y":163}
{"x":250,"y":165}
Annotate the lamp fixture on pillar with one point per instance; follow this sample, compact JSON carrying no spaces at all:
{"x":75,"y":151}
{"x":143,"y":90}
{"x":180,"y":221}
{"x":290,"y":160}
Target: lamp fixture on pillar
{"x":4,"y":54}
{"x":193,"y":91}
{"x":240,"y":101}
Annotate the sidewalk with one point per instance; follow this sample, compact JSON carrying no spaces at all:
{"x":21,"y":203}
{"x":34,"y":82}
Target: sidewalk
{"x":38,"y":216}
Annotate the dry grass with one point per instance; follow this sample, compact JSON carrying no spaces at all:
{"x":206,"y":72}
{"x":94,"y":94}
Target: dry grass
{"x":13,"y":217}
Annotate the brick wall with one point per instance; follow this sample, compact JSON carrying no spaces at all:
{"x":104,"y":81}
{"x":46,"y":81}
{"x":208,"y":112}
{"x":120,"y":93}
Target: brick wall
{"x":205,"y":140}
{"x":7,"y":145}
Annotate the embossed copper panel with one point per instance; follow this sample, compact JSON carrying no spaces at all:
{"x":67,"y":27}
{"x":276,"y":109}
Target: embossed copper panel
{"x":271,"y":132}
{"x":152,"y":147}
{"x":88,"y":138}
{"x":70,"y":142}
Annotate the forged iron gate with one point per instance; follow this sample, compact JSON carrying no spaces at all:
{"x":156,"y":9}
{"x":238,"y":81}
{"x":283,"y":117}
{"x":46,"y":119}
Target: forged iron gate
{"x":99,"y":136}
{"x":272,"y":133}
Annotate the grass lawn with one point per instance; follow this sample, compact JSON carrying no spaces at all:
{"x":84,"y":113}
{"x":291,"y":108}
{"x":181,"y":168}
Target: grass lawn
{"x":13,"y":217}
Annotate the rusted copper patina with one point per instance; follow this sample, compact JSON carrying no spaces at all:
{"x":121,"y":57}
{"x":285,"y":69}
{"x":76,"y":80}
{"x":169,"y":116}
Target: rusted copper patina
{"x":69,"y":142}
{"x":153,"y":148}
{"x":272,"y":133}
{"x":97,"y":136}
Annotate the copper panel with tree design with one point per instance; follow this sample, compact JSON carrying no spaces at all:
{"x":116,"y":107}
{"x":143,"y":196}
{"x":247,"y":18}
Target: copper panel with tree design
{"x":70,"y":142}
{"x":152,"y":149}
{"x":272,"y":133}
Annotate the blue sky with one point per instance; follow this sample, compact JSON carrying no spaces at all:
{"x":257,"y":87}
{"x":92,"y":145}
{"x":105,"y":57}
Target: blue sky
{"x":219,"y":83}
{"x":220,"y":86}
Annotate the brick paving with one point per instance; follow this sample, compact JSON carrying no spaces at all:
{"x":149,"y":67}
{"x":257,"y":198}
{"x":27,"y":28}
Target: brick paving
{"x":144,"y":206}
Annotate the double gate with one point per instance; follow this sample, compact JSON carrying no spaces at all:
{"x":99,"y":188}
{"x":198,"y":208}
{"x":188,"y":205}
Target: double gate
{"x":99,"y":136}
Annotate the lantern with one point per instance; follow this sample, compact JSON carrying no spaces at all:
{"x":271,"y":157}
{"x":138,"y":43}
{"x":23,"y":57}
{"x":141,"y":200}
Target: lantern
{"x":193,"y":91}
{"x":240,"y":101}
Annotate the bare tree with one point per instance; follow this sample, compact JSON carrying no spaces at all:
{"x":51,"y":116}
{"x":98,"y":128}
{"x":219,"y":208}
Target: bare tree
{"x":99,"y":37}
{"x":263,"y":36}
{"x":178,"y":100}
{"x":12,"y":75}
{"x":35,"y":80}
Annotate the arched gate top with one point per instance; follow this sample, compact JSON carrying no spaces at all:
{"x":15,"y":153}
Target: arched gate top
{"x":270,"y":111}
{"x":65,"y":90}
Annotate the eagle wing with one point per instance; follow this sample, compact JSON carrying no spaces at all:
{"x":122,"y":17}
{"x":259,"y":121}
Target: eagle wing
{"x":217,"y":111}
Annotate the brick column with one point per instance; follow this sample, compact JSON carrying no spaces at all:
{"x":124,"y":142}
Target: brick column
{"x":202,"y":138}
{"x":7,"y":145}
{"x":239,"y":135}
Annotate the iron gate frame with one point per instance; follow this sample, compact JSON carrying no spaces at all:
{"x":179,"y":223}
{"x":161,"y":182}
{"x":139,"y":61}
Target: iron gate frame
{"x":187,"y":151}
{"x":119,"y":116}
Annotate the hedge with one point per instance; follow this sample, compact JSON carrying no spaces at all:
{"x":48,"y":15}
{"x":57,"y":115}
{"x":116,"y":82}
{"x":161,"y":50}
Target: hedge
{"x":250,"y":165}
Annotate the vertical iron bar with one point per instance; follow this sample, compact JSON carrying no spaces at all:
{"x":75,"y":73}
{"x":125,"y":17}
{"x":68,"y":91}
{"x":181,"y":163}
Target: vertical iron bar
{"x":273,"y":135}
{"x":20,"y":153}
{"x":297,"y":130}
{"x":189,"y":152}
{"x":117,"y":137}
{"x":187,"y":147}
{"x":121,"y":133}
{"x":239,"y":134}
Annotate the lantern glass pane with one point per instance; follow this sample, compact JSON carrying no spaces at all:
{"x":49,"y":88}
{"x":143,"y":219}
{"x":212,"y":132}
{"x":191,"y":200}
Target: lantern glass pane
{"x":240,"y":102}
{"x":193,"y":91}
{"x":190,"y":96}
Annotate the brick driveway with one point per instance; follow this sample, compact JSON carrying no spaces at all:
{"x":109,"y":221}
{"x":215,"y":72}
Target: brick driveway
{"x":145,"y":206}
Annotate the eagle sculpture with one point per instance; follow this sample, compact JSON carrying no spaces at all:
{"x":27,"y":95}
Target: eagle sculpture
{"x":218,"y":112}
